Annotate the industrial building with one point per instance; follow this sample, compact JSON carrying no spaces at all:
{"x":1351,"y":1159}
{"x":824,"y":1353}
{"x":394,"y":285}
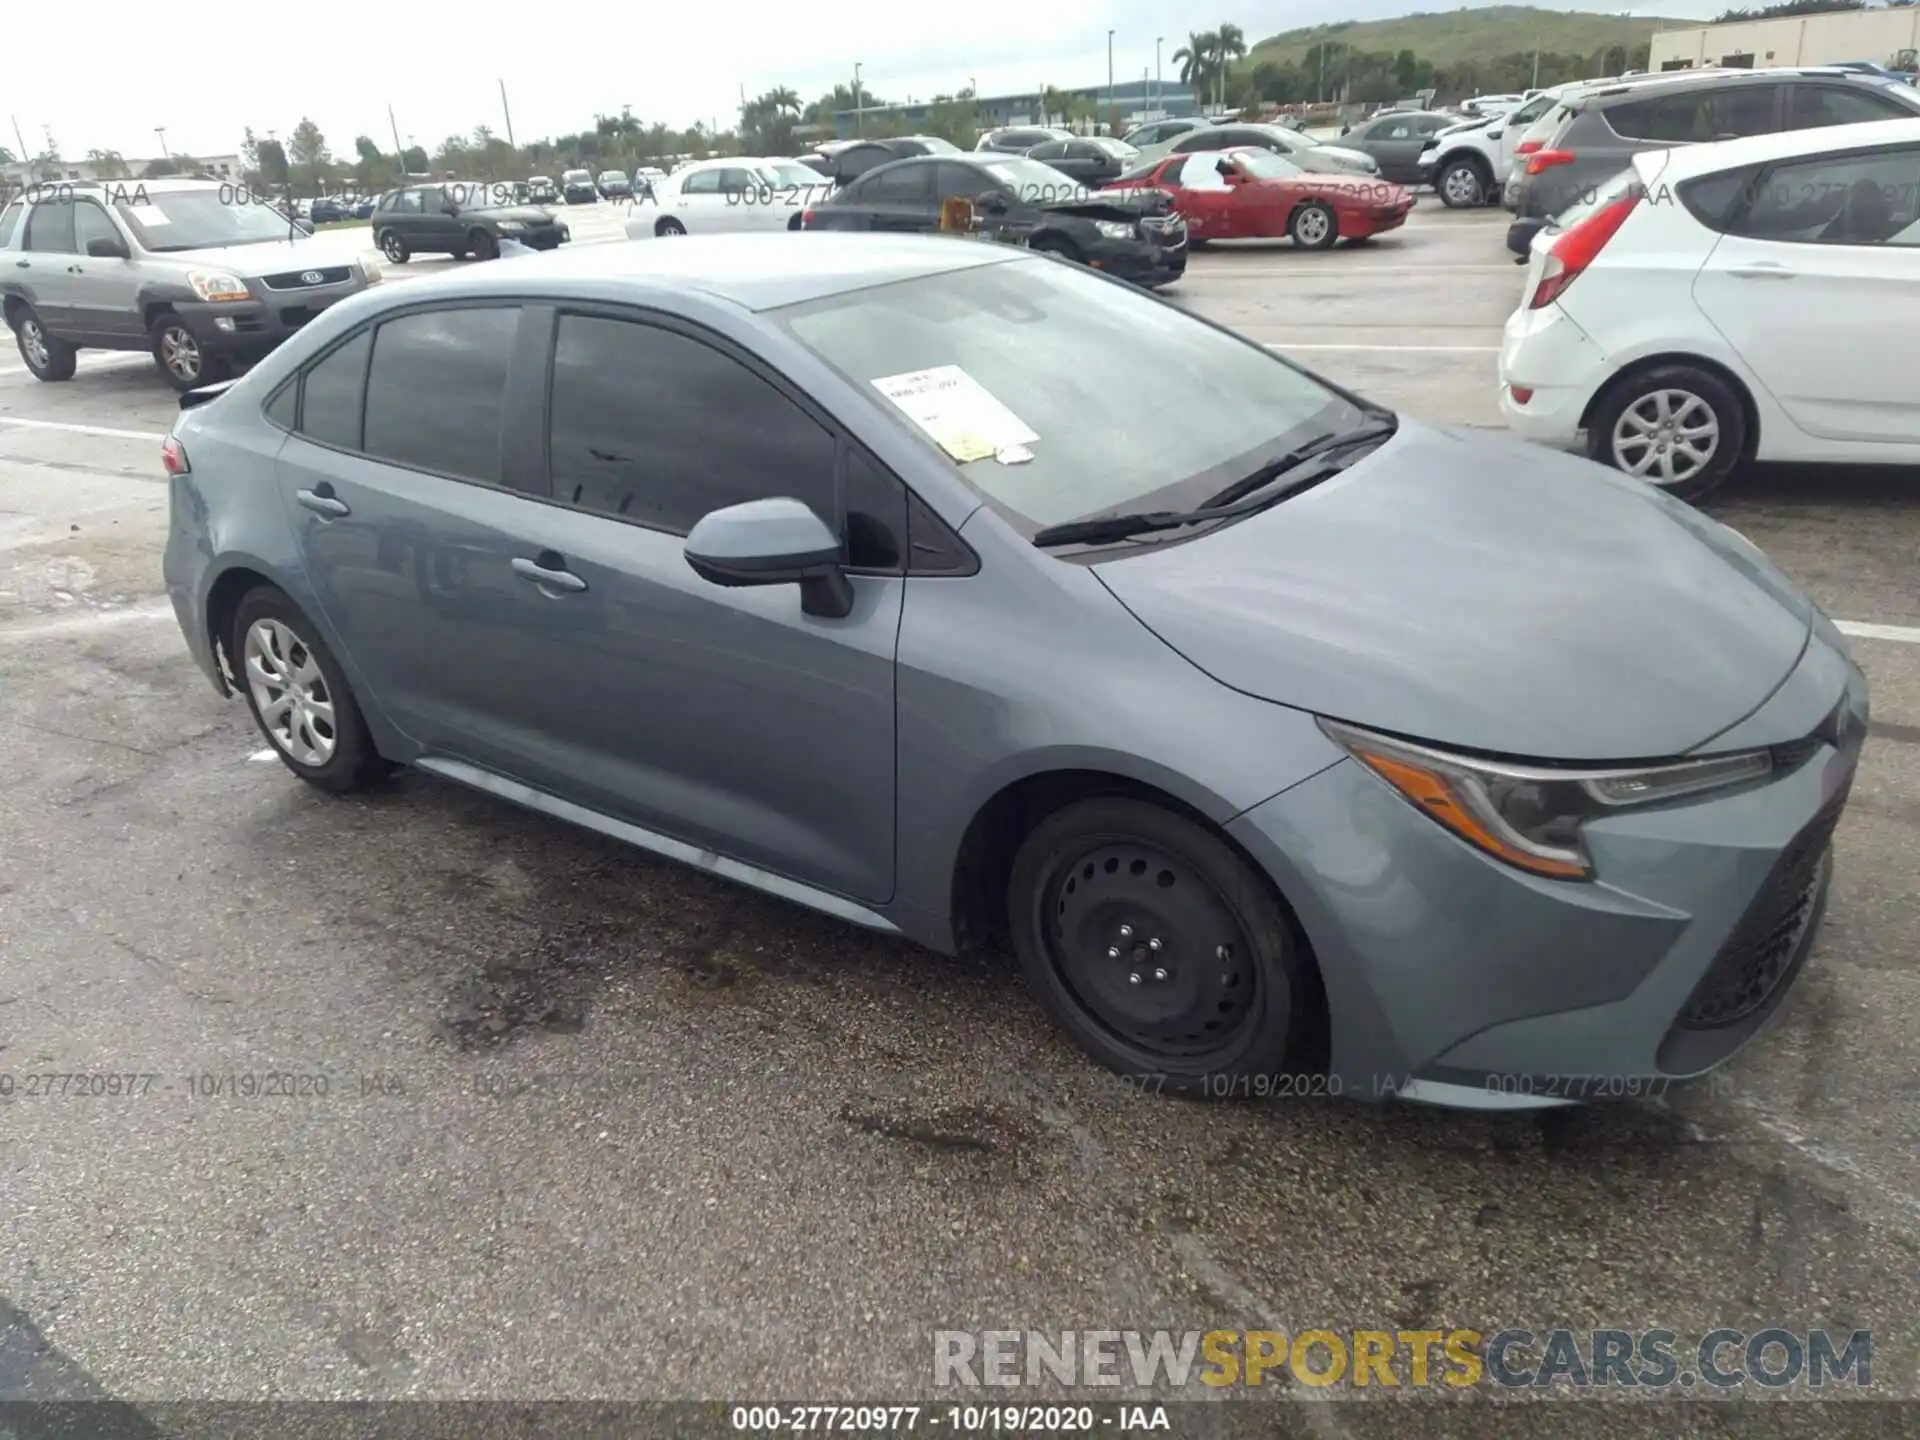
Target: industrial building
{"x":1887,"y":36}
{"x":1138,"y":101}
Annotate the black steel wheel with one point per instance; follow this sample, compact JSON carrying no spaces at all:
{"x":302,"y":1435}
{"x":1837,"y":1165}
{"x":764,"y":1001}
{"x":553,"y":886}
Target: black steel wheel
{"x":1157,"y":948}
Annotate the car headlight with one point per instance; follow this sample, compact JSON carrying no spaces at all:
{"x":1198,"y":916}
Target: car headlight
{"x":1114,"y":229}
{"x":371,"y":272}
{"x":1531,"y":816}
{"x":217,"y":285}
{"x":511,"y":227}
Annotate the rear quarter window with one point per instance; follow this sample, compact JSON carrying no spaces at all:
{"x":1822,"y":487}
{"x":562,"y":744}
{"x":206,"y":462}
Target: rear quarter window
{"x":10,"y":221}
{"x":1714,"y":200}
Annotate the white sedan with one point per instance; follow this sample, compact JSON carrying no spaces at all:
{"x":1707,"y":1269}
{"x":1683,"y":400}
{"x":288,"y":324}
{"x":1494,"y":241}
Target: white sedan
{"x":733,"y":193}
{"x":1748,"y":300}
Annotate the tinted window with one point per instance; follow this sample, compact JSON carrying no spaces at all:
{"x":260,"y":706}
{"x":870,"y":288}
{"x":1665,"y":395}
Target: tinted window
{"x":702,"y":182}
{"x":660,"y":428}
{"x":1198,"y":140}
{"x":410,"y":202}
{"x":952,"y":181}
{"x":1809,"y":107}
{"x":1696,"y":117}
{"x":50,"y":227}
{"x":1839,"y":200}
{"x":90,"y":223}
{"x":1052,"y":150}
{"x":284,"y":409}
{"x":10,"y":220}
{"x":330,"y":402}
{"x":1712,"y":198}
{"x":904,"y":183}
{"x":876,"y":514}
{"x":437,"y":388}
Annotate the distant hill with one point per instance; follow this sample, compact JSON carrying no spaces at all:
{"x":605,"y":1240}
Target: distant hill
{"x":1454,"y":36}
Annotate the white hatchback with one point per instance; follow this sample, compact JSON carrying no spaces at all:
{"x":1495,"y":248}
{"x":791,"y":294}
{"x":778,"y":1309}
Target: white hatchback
{"x":727,"y":196}
{"x":1754,"y":299}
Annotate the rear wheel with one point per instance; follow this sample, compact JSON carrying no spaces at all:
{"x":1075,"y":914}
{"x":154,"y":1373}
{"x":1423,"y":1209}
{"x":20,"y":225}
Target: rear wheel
{"x":1463,"y":184}
{"x":394,"y":247}
{"x":46,"y":357}
{"x":668,"y":228}
{"x":483,"y":245}
{"x":1675,"y":426}
{"x":299,"y":696}
{"x":1159,"y":950}
{"x":1313,"y":226}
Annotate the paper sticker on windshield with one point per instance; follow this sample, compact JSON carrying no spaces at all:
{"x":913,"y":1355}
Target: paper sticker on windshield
{"x":148,"y":214}
{"x":957,"y":412}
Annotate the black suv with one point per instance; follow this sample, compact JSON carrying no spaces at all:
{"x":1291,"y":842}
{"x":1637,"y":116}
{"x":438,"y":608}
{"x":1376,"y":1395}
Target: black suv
{"x":458,"y":219}
{"x":1604,"y":129}
{"x":1131,"y":236}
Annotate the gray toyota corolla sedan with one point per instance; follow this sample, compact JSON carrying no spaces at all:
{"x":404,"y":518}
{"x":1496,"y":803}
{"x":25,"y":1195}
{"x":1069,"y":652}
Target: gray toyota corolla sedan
{"x":1278,"y":735}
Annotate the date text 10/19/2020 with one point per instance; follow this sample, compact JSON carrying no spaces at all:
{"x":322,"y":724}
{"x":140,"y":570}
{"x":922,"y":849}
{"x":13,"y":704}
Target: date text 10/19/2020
{"x":1572,"y":1089}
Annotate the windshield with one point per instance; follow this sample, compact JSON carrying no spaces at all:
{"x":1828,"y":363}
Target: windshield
{"x":574,"y":176}
{"x":1319,"y":164}
{"x":1265,"y":165}
{"x":1042,"y":341}
{"x":1034,"y":181}
{"x":165,"y":220}
{"x":936,"y":146}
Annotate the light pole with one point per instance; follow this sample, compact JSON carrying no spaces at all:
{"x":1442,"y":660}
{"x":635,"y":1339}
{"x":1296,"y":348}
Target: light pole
{"x":1158,"y":93}
{"x":1109,"y":79}
{"x":161,"y":131}
{"x":856,"y":97}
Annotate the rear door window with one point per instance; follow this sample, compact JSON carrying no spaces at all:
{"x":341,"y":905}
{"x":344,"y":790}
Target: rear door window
{"x":902,"y":185}
{"x":1838,"y":200}
{"x":1810,"y":107}
{"x":1697,"y":116}
{"x":437,"y":388}
{"x":50,"y":227}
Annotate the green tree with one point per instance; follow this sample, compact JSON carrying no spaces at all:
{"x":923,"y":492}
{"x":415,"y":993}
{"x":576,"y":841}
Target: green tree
{"x":107,"y":165}
{"x":1229,"y":45}
{"x":414,"y":160}
{"x":955,"y":119}
{"x":307,"y":149}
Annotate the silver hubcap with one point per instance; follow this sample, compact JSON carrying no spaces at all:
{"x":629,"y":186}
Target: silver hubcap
{"x":1666,"y":436}
{"x":1461,"y":186}
{"x":295,"y":705}
{"x":391,"y":245}
{"x":34,"y":343}
{"x":179,"y":352}
{"x":1311,"y":226}
{"x":667,"y":231}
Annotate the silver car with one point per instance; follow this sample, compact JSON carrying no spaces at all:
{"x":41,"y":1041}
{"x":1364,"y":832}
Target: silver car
{"x":1294,"y":737}
{"x":201,"y":275}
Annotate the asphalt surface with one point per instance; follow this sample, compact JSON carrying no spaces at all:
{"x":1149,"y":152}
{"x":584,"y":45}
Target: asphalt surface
{"x":598,"y":1127}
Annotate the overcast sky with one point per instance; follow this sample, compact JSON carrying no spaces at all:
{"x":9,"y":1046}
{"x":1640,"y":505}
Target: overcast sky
{"x":569,"y":59}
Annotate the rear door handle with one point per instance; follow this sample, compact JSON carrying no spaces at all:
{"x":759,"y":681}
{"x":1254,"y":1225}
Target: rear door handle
{"x":552,"y":576}
{"x":328,"y":505}
{"x":1761,"y":272}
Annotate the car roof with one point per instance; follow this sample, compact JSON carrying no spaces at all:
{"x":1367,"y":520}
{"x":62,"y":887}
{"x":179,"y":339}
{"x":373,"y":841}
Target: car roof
{"x":759,"y":271}
{"x":1686,"y":161}
{"x":1725,"y":75}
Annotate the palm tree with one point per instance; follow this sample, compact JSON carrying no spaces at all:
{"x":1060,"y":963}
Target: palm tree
{"x":1195,"y":59}
{"x":1229,"y":45}
{"x":783,"y":100}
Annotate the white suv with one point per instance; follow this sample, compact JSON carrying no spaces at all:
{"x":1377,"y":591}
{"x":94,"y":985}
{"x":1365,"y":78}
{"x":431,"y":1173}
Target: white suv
{"x":1749,"y":299}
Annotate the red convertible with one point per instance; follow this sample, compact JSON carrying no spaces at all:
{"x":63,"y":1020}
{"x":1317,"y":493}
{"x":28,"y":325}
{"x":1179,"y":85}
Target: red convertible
{"x":1249,"y":194}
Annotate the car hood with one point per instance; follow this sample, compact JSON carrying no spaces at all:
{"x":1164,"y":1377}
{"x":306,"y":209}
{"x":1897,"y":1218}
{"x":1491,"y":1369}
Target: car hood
{"x":327,"y":249}
{"x":1482,"y":595}
{"x":1127,"y":204}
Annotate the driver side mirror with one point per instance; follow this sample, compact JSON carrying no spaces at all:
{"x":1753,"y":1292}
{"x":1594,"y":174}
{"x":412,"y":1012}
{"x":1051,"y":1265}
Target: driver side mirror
{"x":773,"y":542}
{"x":449,"y":207}
{"x":107,"y":250}
{"x":991,"y":202}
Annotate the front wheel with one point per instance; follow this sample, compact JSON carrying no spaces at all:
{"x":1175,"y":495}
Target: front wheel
{"x":176,"y":349}
{"x":394,"y":247}
{"x":1674,"y":426}
{"x":299,"y":696}
{"x":1160,"y":951}
{"x":482,"y":245}
{"x":1462,"y":186}
{"x":46,"y":357}
{"x":1314,"y":226}
{"x":668,"y":228}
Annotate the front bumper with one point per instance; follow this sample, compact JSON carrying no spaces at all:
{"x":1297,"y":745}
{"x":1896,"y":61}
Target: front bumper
{"x":248,"y":329}
{"x":1144,"y":263}
{"x":1454,"y":978}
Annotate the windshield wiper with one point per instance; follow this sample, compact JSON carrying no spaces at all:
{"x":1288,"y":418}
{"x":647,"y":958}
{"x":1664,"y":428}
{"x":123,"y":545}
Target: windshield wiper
{"x":1239,"y":498}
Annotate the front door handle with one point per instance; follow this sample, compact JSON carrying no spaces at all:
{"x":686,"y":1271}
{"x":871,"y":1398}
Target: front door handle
{"x":328,"y":505}
{"x":23,"y":264}
{"x":552,"y":576}
{"x":1761,"y":272}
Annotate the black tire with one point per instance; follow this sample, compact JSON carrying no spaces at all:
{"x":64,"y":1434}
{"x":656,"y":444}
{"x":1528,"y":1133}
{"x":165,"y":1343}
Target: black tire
{"x":47,"y":358}
{"x":1219,"y":1009}
{"x":1314,"y":226}
{"x":394,"y":246}
{"x":794,"y":223}
{"x":177,"y":351}
{"x":1057,"y":245}
{"x":459,"y":252}
{"x":1456,"y":193}
{"x":483,"y":244}
{"x":353,"y":763}
{"x":669,"y":227}
{"x":1690,"y":395}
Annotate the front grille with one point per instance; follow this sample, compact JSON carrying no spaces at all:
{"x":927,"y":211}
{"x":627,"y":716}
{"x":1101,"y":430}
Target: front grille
{"x":1763,"y":947}
{"x":299,"y":279}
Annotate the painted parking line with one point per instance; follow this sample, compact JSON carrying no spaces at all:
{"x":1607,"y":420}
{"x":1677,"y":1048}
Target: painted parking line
{"x":1864,"y":630}
{"x":156,"y":436}
{"x":1291,"y":348}
{"x":1226,"y":270}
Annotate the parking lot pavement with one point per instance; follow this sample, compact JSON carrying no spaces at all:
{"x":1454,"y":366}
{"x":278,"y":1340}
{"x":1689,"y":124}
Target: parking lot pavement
{"x":594,"y":1125}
